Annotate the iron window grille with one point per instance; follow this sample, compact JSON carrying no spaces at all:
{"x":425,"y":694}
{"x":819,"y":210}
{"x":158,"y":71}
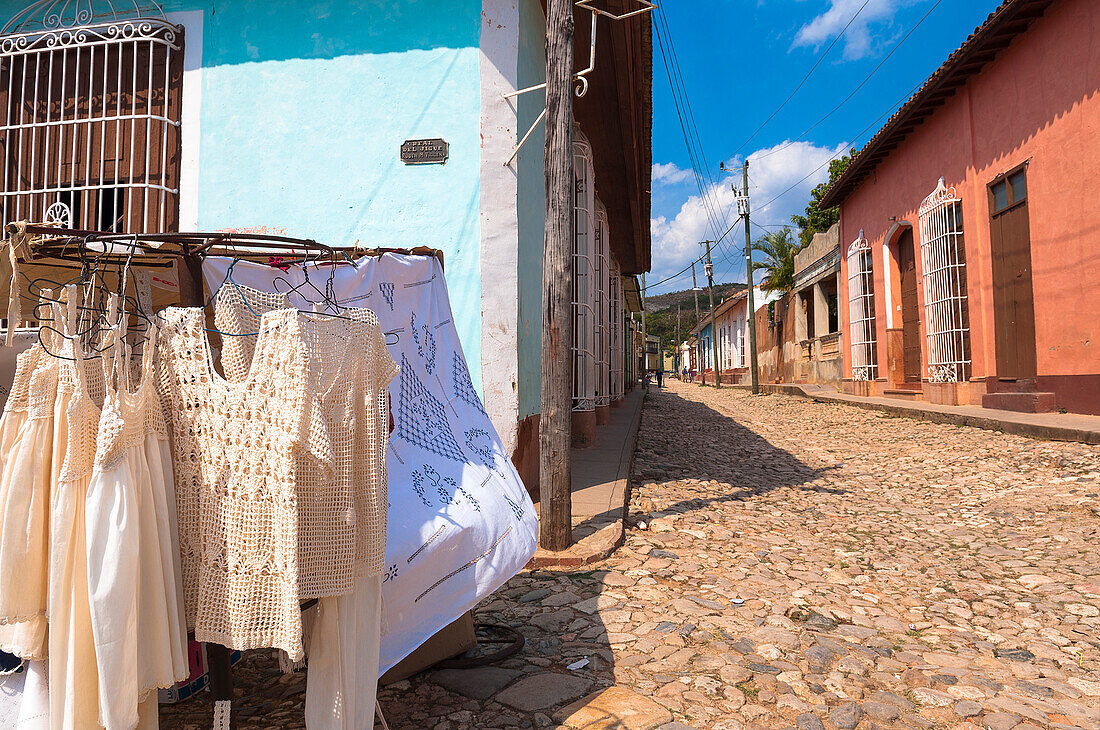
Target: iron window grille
{"x":584,"y":275}
{"x":603,"y":333}
{"x":861,"y":310}
{"x":943,"y":262}
{"x":91,"y":131}
{"x":617,"y":344}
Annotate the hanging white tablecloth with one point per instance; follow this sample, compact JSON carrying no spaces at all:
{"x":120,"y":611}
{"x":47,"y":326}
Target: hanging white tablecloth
{"x":460,"y":520}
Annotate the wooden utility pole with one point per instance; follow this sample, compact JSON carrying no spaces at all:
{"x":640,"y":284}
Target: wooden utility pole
{"x":698,"y":337}
{"x":754,"y":378}
{"x":676,"y":355}
{"x":709,"y":268}
{"x":555,"y":423}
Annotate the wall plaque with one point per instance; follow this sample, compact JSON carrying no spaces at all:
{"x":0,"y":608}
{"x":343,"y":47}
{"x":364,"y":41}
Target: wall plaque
{"x":424,"y":151}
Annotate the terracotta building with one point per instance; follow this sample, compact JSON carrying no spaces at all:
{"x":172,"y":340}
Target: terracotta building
{"x":970,"y":228}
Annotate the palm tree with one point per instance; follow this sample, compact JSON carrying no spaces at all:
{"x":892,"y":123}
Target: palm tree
{"x":780,"y":248}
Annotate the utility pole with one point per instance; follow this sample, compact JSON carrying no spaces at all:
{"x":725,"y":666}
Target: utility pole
{"x":709,"y":268}
{"x":698,"y":337}
{"x":676,"y":356}
{"x":645,"y":333}
{"x":754,"y":377}
{"x":555,"y":423}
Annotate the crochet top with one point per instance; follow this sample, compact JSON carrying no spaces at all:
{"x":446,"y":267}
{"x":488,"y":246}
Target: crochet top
{"x":342,"y":495}
{"x":234,"y":447}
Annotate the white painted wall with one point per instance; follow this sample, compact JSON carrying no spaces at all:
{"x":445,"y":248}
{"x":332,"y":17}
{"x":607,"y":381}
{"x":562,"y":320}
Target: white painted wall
{"x":190,"y":116}
{"x":499,"y":218}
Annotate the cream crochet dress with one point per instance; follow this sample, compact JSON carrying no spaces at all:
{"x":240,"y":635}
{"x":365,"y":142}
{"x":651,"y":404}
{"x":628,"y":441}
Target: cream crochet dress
{"x":342,"y":517}
{"x":73,"y":671}
{"x":27,"y":473}
{"x":234,"y":447}
{"x":136,"y":608}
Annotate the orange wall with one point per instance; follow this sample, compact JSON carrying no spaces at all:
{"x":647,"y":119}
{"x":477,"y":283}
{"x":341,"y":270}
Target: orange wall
{"x":1038,"y":100}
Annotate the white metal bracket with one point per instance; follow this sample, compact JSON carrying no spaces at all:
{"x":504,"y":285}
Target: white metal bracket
{"x":580,"y":77}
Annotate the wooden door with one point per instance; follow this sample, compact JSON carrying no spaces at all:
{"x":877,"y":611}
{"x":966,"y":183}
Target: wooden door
{"x":910,"y":312}
{"x":1013,"y":297}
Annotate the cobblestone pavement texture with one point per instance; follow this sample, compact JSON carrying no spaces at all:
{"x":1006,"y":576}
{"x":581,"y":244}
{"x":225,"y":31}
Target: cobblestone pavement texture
{"x":792,"y":564}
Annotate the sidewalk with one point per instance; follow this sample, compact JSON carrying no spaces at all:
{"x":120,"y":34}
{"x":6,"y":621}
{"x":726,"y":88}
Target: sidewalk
{"x":601,"y":475}
{"x":1050,"y":426}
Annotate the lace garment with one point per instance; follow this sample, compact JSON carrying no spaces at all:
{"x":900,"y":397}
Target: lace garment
{"x":342,"y":512}
{"x":26,"y":475}
{"x":234,"y":447}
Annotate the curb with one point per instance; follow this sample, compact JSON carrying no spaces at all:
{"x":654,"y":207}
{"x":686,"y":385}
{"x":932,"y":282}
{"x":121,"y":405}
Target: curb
{"x":1030,"y":430}
{"x":601,"y":544}
{"x":596,"y":547}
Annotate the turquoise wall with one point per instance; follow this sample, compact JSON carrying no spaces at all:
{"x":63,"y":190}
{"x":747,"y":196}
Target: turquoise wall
{"x":531,"y":205}
{"x":304,"y":108}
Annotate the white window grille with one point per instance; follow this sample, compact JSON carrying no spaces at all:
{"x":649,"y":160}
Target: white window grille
{"x":584,"y":276}
{"x":740,"y":343}
{"x":603,"y":331}
{"x":861,"y":310}
{"x":943,"y":262}
{"x":616,"y":316}
{"x":727,"y":347}
{"x":91,"y":105}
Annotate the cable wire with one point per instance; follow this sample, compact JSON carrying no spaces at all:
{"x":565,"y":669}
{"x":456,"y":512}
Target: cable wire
{"x":804,"y":78}
{"x":704,"y":182}
{"x":863,"y":83}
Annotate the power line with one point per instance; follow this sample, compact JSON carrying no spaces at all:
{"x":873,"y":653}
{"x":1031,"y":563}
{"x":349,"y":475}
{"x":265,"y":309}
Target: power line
{"x":690,"y":113}
{"x":704,"y":181}
{"x":863,"y":83}
{"x":831,"y":159}
{"x":804,"y":78}
{"x":688,"y":140}
{"x":678,"y":274}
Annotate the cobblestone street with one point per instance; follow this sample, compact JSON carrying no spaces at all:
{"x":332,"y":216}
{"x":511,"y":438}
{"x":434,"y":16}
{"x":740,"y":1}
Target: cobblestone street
{"x":791,"y":564}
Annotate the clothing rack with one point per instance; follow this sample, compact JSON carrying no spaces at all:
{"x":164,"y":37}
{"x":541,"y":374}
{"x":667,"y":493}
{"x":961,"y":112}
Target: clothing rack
{"x":187,"y":251}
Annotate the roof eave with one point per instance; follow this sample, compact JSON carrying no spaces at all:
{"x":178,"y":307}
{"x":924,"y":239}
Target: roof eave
{"x":1012,"y":18}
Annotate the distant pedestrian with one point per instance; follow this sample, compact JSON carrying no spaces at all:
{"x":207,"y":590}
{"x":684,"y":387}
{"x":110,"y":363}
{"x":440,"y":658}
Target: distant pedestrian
{"x":660,"y":377}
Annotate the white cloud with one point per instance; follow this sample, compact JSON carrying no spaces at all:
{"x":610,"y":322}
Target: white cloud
{"x":858,"y":38}
{"x":667,"y":173}
{"x":771,"y":172}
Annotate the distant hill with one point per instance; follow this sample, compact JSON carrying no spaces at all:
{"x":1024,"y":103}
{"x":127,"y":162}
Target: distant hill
{"x":661,"y":310}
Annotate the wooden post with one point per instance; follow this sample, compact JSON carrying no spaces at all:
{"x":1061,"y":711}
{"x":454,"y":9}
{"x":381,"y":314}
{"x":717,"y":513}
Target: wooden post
{"x":676,"y":352}
{"x":698,"y":321}
{"x":645,"y":333}
{"x":754,"y":375}
{"x":555,"y":423}
{"x":713,"y":320}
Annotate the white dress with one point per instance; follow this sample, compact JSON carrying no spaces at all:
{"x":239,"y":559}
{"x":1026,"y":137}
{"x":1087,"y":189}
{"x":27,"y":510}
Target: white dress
{"x":136,"y":610}
{"x":27,"y":423}
{"x":73,"y":674}
{"x":26,"y":474}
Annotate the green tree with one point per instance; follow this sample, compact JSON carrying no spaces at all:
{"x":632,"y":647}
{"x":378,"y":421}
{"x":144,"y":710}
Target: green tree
{"x":818,"y":220}
{"x":780,"y":248}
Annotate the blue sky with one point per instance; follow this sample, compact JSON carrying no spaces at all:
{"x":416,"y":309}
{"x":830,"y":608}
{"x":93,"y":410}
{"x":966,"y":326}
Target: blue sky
{"x":739,"y":60}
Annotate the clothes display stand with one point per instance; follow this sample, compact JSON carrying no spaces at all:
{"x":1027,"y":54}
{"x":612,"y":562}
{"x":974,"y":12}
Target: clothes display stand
{"x":461,"y":522}
{"x":51,"y":247}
